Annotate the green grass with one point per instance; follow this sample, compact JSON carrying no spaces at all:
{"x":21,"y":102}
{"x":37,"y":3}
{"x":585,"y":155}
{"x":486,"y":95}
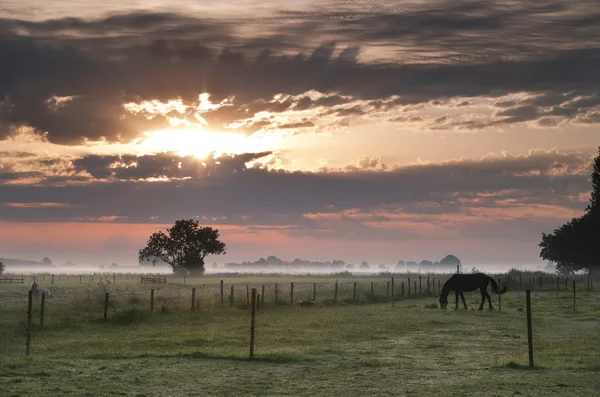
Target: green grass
{"x":348,"y":349}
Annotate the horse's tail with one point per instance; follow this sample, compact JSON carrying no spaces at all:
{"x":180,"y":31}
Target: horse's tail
{"x":495,"y":287}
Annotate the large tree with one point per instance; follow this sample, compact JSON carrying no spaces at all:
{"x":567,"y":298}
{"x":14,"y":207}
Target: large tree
{"x":184,"y":247}
{"x":574,"y":245}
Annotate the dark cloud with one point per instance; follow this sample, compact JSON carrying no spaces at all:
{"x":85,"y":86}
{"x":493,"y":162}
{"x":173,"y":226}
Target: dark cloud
{"x":231,"y":190}
{"x":552,"y":52}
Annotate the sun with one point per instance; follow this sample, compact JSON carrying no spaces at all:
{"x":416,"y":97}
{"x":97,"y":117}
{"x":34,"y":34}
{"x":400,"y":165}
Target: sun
{"x":201,"y":143}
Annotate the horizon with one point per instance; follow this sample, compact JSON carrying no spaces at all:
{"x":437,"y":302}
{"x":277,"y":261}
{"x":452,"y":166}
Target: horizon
{"x":314,"y":129}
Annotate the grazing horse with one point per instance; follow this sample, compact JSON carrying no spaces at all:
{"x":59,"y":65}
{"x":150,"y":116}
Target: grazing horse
{"x":38,"y":291}
{"x":469,"y":282}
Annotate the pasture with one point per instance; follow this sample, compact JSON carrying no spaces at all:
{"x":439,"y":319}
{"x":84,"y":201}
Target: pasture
{"x":359,"y":345}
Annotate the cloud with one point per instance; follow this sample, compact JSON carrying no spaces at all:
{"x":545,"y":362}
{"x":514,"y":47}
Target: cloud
{"x":449,"y":50}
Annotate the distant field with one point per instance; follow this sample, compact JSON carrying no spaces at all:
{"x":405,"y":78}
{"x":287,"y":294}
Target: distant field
{"x":352,"y":347}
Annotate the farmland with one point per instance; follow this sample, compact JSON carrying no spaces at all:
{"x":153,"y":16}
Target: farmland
{"x":353,"y":345}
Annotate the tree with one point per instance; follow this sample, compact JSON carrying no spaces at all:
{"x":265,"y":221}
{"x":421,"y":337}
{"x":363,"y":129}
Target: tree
{"x":364,"y":265}
{"x":47,"y":261}
{"x":573,"y":246}
{"x":451,"y":261}
{"x":184,"y":247}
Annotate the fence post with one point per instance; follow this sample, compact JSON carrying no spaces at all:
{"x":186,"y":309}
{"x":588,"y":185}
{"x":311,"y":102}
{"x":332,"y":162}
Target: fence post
{"x":574,"y":293}
{"x":262,"y":295}
{"x":433,"y":286}
{"x":152,"y":300}
{"x":105,"y":305}
{"x":231,"y":298}
{"x":457,"y":269}
{"x":335,"y":294}
{"x":252,"y":322}
{"x":372,"y":290}
{"x":420,"y":287}
{"x":222,"y":297}
{"x":52,"y":278}
{"x":428,"y":290}
{"x":393,"y":298}
{"x":387,"y":289}
{"x":42,"y":310}
{"x":499,"y":296}
{"x":409,"y":287}
{"x":193,"y":297}
{"x":114,"y":279}
{"x":415,"y":287}
{"x":28,"y":331}
{"x":354,"y":292}
{"x":291,"y":292}
{"x":520,"y":283}
{"x":529,"y":331}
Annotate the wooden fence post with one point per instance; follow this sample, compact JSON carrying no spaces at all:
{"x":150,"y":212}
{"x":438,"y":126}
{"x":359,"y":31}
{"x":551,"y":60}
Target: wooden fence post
{"x":105,"y":305}
{"x":42,"y":310}
{"x":415,"y":287}
{"x":335,"y":293}
{"x":420,"y":287}
{"x":28,"y":330}
{"x":499,"y":296}
{"x":457,"y":269}
{"x":409,"y":287}
{"x":222,"y":296}
{"x":52,"y":278}
{"x":193,"y":297}
{"x":152,"y":300}
{"x":231,"y":298}
{"x":393,"y":293}
{"x":114,"y":279}
{"x":529,"y":330}
{"x":291,"y":292}
{"x":372,"y":290}
{"x":520,"y":281}
{"x":574,"y":293}
{"x":428,"y":290}
{"x":252,"y":322}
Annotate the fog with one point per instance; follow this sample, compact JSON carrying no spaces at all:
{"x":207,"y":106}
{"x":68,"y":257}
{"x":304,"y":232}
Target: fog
{"x":284,"y":270}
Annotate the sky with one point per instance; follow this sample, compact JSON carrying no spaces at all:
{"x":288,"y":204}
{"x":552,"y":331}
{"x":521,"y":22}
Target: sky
{"x":347,"y":130}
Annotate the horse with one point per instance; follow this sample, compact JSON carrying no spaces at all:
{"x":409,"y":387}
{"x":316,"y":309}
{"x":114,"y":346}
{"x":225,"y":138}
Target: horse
{"x":469,"y":282}
{"x":38,"y":291}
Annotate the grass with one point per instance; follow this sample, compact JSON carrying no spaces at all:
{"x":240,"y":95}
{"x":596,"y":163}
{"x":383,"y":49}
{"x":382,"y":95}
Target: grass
{"x":328,"y":349}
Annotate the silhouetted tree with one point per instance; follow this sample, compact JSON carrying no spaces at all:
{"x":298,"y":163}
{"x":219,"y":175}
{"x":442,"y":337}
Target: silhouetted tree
{"x":574,"y":245}
{"x":47,"y":261}
{"x":451,"y":261}
{"x":364,"y":265}
{"x":184,"y":247}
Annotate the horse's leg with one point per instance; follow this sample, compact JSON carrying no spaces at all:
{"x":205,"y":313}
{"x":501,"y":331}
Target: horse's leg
{"x":489,"y":298}
{"x":462,"y":296}
{"x":483,"y":298}
{"x":456,"y":306}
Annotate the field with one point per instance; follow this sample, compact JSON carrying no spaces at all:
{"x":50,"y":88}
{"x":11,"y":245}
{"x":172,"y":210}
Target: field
{"x":355,"y":346}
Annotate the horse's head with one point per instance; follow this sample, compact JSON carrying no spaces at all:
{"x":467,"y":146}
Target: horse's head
{"x":443,"y":301}
{"x":35,"y":286}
